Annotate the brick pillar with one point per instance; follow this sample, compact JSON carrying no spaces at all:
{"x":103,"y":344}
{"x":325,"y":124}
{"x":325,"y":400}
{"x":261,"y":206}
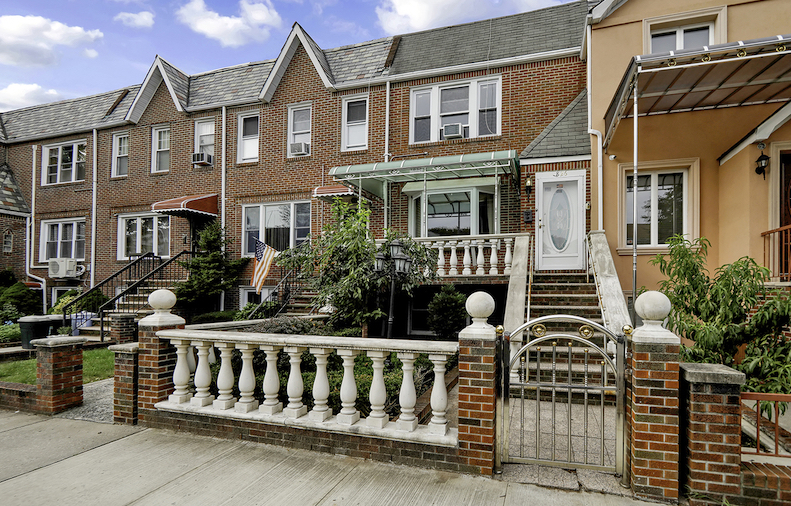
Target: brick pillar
{"x":125,"y":383}
{"x":58,"y":373}
{"x":477,"y":386}
{"x":123,"y":328}
{"x":654,"y":402}
{"x":711,"y":432}
{"x":156,"y":357}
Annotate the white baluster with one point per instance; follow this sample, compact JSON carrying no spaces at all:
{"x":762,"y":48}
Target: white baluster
{"x":202,"y":396}
{"x":295,"y":387}
{"x":321,"y":386}
{"x":440,"y":245}
{"x":181,"y":374}
{"x":271,"y":384}
{"x":439,"y":396}
{"x":348,"y":414}
{"x":246,"y":402}
{"x":467,"y":259}
{"x":225,"y":378}
{"x":378,"y":395}
{"x":480,"y":270}
{"x":493,"y":270}
{"x":407,"y":397}
{"x":508,"y":257}
{"x":454,"y":259}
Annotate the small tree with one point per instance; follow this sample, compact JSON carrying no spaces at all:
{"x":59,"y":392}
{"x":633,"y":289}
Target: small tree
{"x":447,"y":314}
{"x":211,"y":271}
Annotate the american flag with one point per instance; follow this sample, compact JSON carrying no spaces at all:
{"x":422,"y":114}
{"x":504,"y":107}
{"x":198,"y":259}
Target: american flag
{"x":264,"y":254}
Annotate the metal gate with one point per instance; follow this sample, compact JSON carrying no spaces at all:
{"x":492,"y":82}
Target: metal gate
{"x":562,"y":397}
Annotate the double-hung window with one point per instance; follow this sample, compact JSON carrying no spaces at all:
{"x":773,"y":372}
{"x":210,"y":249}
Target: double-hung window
{"x":62,"y":239}
{"x":143,"y":233}
{"x":120,"y":165}
{"x":465,"y":109}
{"x":354,"y":135}
{"x":160,"y":149}
{"x":248,"y":138}
{"x":204,"y":137}
{"x":299,"y":122}
{"x":8,"y":241}
{"x":681,"y":37}
{"x":64,"y":163}
{"x":282,"y":225}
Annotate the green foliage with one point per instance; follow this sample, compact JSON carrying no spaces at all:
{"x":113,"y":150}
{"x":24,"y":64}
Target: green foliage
{"x":10,"y":333}
{"x":64,"y":299}
{"x":339,"y":265}
{"x":64,"y":330}
{"x":91,"y":302}
{"x":214,"y":316}
{"x":211,"y":271}
{"x":9,"y":313}
{"x":293,"y":325}
{"x":447,"y":314}
{"x":25,"y":300}
{"x":7,"y":278}
{"x":262,"y":311}
{"x":715,"y":313}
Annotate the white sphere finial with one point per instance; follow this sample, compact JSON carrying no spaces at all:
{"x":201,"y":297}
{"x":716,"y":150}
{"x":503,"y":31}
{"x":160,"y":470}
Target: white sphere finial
{"x":652,"y":306}
{"x":480,"y":305}
{"x":162,"y":300}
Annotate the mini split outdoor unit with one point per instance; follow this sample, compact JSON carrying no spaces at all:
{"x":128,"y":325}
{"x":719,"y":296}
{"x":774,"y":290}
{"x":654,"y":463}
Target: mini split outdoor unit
{"x":300,"y":148}
{"x":64,"y":268}
{"x":453,"y":131}
{"x":201,"y":159}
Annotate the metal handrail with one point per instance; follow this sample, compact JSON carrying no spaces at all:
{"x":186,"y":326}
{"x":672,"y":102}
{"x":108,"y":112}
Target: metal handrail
{"x":531,"y":269}
{"x":287,"y":284}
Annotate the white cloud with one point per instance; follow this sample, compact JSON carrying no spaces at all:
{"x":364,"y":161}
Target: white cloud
{"x":31,"y":40}
{"x":403,"y":16}
{"x":338,"y":25}
{"x":252,"y":25}
{"x":17,"y":95}
{"x":90,"y":53}
{"x":143,"y":19}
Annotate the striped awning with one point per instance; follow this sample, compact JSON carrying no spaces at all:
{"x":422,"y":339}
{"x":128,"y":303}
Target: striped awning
{"x":188,"y":205}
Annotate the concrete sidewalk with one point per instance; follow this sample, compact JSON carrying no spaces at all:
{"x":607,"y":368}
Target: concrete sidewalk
{"x":72,"y":462}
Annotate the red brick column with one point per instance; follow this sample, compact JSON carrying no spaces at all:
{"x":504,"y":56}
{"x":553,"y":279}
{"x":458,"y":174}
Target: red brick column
{"x":123,"y":328}
{"x":156,"y":357}
{"x":712,"y":432}
{"x":654,"y":402}
{"x":58,"y":373}
{"x":125,"y":383}
{"x":477,"y":386}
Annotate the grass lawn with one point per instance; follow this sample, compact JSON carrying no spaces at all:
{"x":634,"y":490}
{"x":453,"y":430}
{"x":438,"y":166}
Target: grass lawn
{"x":96,"y":365}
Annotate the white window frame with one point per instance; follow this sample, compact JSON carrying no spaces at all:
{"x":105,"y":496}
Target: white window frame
{"x":155,"y":148}
{"x":345,"y":123}
{"x":8,"y":241}
{"x":116,"y":155}
{"x":243,"y":139}
{"x":245,"y":290}
{"x":74,"y":162}
{"x":715,"y":17}
{"x":198,"y":145}
{"x":474,"y":188}
{"x":292,"y":226}
{"x":292,"y":133}
{"x":121,"y":226}
{"x":472,"y":109}
{"x":690,"y":167}
{"x":57,"y":291}
{"x":679,"y":31}
{"x":44,"y":238}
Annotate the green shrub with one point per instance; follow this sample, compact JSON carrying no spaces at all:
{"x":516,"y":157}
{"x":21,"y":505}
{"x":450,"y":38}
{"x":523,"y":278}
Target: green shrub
{"x":8,"y":313}
{"x":446,"y":313}
{"x":25,"y":300}
{"x":10,"y":333}
{"x":64,"y":299}
{"x":7,"y":278}
{"x":266,"y":309}
{"x":91,"y":302}
{"x":214,"y":316}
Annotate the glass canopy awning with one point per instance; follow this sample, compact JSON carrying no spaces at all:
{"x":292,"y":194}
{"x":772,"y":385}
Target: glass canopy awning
{"x":712,"y":77}
{"x":371,"y":176}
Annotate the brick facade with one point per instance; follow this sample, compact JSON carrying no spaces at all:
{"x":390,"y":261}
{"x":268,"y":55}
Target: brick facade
{"x":125,"y":383}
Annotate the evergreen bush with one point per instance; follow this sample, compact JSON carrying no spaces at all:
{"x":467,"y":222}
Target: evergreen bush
{"x":447,"y":314}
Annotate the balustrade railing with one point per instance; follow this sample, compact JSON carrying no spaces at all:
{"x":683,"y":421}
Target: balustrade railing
{"x":777,"y":253}
{"x":761,"y":422}
{"x":473,"y":255}
{"x":270,"y":408}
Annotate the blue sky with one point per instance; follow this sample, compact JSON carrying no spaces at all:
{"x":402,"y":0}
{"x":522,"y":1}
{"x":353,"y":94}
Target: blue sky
{"x":58,"y":49}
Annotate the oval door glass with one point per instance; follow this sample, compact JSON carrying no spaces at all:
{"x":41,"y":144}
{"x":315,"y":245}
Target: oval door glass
{"x":560,"y":219}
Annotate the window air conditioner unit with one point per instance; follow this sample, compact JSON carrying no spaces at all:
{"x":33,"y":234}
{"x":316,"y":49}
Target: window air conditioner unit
{"x":62,"y":268}
{"x":201,"y":159}
{"x":453,"y":131}
{"x":300,"y":148}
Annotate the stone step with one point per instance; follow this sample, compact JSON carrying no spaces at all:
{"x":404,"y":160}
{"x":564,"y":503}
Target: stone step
{"x":565,"y":299}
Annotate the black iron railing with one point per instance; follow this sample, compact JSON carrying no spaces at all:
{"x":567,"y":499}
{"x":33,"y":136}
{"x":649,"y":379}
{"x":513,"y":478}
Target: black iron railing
{"x":89,"y":302}
{"x":135,"y":297}
{"x":279,"y":297}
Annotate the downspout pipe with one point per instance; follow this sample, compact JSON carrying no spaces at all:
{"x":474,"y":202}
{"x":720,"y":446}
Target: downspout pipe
{"x":30,"y":228}
{"x":222,"y":192}
{"x":387,"y":151}
{"x":598,"y":134}
{"x":93,"y":209}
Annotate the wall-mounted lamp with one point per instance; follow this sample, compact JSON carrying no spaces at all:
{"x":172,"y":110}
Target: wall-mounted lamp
{"x":762,"y":162}
{"x":613,"y":157}
{"x":528,"y":186}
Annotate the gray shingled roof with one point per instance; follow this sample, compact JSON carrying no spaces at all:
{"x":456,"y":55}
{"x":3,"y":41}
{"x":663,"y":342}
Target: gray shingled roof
{"x":359,"y":61}
{"x":11,"y":198}
{"x":532,"y":32}
{"x":566,"y":135}
{"x":321,"y":56}
{"x":68,"y":116}
{"x":231,"y":84}
{"x":179,"y":80}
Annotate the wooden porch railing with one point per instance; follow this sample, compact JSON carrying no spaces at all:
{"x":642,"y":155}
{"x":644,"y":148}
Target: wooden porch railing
{"x":777,"y":252}
{"x":771,"y":439}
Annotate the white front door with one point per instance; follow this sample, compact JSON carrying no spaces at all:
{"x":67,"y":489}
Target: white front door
{"x":560,"y":231}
